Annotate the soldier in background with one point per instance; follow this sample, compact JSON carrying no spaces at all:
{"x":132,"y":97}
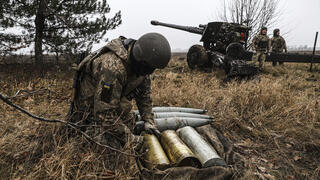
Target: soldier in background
{"x":278,"y":44}
{"x":261,"y":47}
{"x":111,"y":78}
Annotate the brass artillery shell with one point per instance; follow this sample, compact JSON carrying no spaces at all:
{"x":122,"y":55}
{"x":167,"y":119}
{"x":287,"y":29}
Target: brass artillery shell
{"x":155,"y":156}
{"x":204,"y":151}
{"x":178,"y":153}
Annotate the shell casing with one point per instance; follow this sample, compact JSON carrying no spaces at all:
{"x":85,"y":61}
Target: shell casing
{"x":204,"y":151}
{"x":155,"y":156}
{"x":175,"y":123}
{"x":178,"y":153}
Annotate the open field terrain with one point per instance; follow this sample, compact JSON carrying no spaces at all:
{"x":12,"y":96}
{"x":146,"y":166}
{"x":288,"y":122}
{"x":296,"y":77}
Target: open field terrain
{"x":273,"y":120}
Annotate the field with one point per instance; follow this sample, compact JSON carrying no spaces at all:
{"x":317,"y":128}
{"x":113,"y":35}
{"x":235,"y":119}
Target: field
{"x":273,"y":120}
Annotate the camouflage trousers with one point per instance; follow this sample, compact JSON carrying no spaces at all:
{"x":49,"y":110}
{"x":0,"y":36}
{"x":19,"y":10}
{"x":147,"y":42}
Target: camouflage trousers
{"x":274,"y":62}
{"x":259,"y":57}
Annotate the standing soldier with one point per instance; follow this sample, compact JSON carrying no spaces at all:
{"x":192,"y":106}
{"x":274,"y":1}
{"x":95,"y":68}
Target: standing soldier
{"x":109,"y":79}
{"x":260,"y":47}
{"x":278,"y":44}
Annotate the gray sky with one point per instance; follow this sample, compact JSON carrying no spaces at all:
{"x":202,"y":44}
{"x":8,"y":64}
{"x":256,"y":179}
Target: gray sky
{"x":300,"y":19}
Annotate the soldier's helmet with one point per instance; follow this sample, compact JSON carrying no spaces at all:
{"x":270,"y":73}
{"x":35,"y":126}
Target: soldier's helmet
{"x":275,"y":31}
{"x":152,"y":49}
{"x":264,"y":28}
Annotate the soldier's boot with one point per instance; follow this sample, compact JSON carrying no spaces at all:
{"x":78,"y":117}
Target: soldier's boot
{"x":260,"y":65}
{"x":274,"y":63}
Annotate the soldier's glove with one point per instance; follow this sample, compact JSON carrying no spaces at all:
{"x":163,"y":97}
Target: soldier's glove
{"x":151,"y":128}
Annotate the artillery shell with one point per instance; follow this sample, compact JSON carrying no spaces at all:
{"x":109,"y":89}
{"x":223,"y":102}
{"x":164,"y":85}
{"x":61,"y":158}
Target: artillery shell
{"x":204,"y":151}
{"x":155,"y":156}
{"x":175,"y":123}
{"x":176,"y":109}
{"x":178,"y":153}
{"x":179,"y":114}
{"x":179,"y":109}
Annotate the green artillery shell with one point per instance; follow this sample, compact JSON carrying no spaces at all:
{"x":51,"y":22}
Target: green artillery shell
{"x":178,"y":153}
{"x":155,"y":156}
{"x":179,"y":109}
{"x":175,"y":123}
{"x":179,"y":114}
{"x":204,"y":151}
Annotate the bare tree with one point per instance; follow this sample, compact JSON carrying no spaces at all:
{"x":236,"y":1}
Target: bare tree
{"x":253,"y":13}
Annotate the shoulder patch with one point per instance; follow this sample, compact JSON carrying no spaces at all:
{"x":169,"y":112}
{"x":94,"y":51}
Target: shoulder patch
{"x":106,"y":85}
{"x":106,"y":93}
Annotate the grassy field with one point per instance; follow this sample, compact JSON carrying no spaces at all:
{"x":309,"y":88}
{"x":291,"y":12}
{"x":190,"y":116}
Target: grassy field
{"x":273,"y":120}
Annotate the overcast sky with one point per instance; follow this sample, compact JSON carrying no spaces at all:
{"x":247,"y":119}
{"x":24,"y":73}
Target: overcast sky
{"x":300,"y":18}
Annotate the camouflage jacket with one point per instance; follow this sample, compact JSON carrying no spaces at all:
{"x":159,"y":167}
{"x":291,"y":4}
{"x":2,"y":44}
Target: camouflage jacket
{"x":261,"y":43}
{"x":108,"y":85}
{"x":278,"y":44}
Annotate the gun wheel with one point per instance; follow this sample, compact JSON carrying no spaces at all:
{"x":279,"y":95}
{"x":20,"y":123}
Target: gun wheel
{"x":197,"y":56}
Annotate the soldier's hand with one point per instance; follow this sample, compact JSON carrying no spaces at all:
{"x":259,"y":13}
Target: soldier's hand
{"x":151,"y":128}
{"x":269,"y":52}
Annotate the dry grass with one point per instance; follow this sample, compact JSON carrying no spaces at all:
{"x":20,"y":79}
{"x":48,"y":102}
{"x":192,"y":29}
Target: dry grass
{"x":272,"y":119}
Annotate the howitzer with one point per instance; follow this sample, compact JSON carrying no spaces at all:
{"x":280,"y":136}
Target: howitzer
{"x":223,"y":47}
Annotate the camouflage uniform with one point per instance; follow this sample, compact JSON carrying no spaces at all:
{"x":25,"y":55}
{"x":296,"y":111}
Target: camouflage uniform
{"x":278,"y":44}
{"x":260,"y":44}
{"x":106,"y":88}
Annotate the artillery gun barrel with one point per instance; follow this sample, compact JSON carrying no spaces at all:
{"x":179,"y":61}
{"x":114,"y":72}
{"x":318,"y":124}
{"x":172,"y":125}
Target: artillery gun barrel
{"x":190,"y":29}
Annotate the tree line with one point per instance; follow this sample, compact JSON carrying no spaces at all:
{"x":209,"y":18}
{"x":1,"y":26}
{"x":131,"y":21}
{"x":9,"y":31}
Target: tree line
{"x":54,"y":26}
